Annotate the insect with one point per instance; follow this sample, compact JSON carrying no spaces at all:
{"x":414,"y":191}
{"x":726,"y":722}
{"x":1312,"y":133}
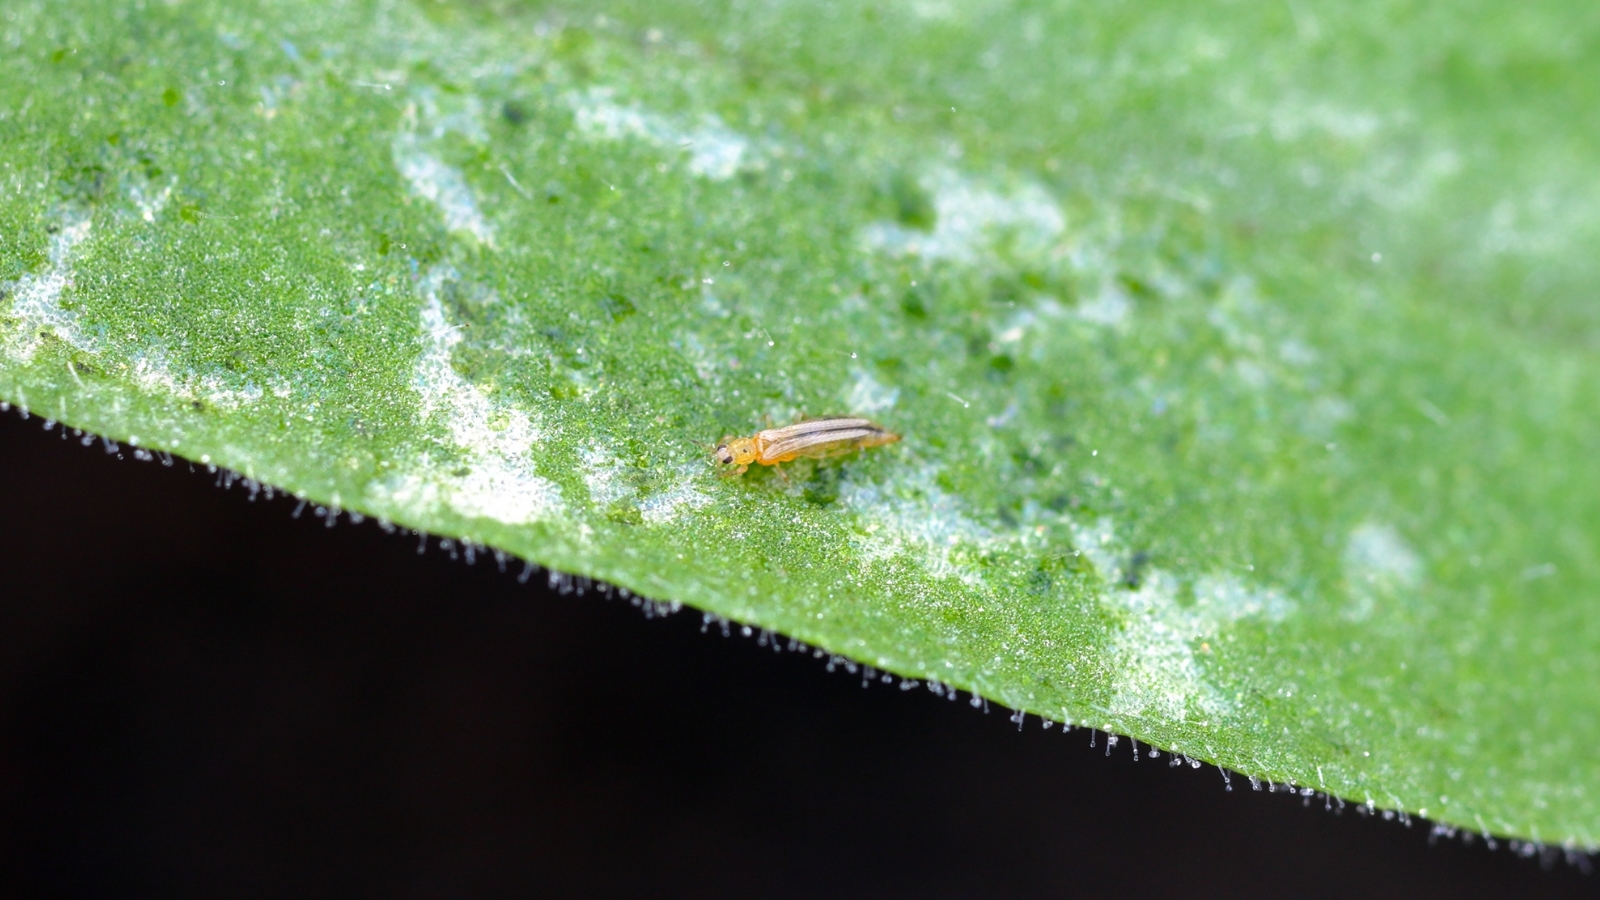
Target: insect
{"x":813,"y":439}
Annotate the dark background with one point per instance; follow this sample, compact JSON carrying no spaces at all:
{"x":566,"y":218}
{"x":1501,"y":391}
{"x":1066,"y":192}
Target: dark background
{"x":201,"y":695}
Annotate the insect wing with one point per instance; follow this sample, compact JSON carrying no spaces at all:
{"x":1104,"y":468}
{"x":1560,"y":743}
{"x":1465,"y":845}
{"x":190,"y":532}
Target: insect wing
{"x":820,"y":443}
{"x":813,"y":427}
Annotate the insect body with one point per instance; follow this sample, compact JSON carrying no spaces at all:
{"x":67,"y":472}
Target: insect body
{"x":813,"y":439}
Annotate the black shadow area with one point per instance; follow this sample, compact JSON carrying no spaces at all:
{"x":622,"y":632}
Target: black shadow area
{"x":204,"y":696}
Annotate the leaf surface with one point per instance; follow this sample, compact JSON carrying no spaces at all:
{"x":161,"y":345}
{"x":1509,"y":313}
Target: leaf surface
{"x":1245,"y":356}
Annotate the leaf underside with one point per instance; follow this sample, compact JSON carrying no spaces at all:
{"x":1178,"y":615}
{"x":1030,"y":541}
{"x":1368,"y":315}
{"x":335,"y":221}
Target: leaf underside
{"x":1246,"y":363}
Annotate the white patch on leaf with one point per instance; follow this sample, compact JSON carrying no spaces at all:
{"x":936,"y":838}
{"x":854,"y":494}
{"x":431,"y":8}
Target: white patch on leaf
{"x":153,"y":373}
{"x":1376,"y":552}
{"x":913,"y":516}
{"x":1296,"y":120}
{"x":866,"y":395}
{"x":714,"y":150}
{"x":681,"y":496}
{"x":707,"y":365}
{"x":1377,"y":561}
{"x":1158,"y":671}
{"x":151,"y":202}
{"x":937,"y":10}
{"x":439,"y":113}
{"x":36,"y":299}
{"x":969,"y":218}
{"x":1325,"y":414}
{"x":36,"y":310}
{"x":495,"y":475}
{"x":1109,"y":306}
{"x":443,"y":186}
{"x":1225,"y":598}
{"x":602,"y":474}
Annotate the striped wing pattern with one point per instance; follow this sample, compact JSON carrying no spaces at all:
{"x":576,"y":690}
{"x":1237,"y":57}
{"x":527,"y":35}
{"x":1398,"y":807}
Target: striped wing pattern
{"x":821,"y":437}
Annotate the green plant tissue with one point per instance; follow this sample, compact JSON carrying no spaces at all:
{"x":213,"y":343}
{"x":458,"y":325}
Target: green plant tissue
{"x":1245,"y":354}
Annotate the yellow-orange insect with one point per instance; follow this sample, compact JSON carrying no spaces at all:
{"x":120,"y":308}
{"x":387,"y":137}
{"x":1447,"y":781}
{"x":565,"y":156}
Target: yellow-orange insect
{"x":812,"y":439}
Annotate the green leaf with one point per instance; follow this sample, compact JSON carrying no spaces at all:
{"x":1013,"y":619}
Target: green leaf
{"x":1245,"y":357}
